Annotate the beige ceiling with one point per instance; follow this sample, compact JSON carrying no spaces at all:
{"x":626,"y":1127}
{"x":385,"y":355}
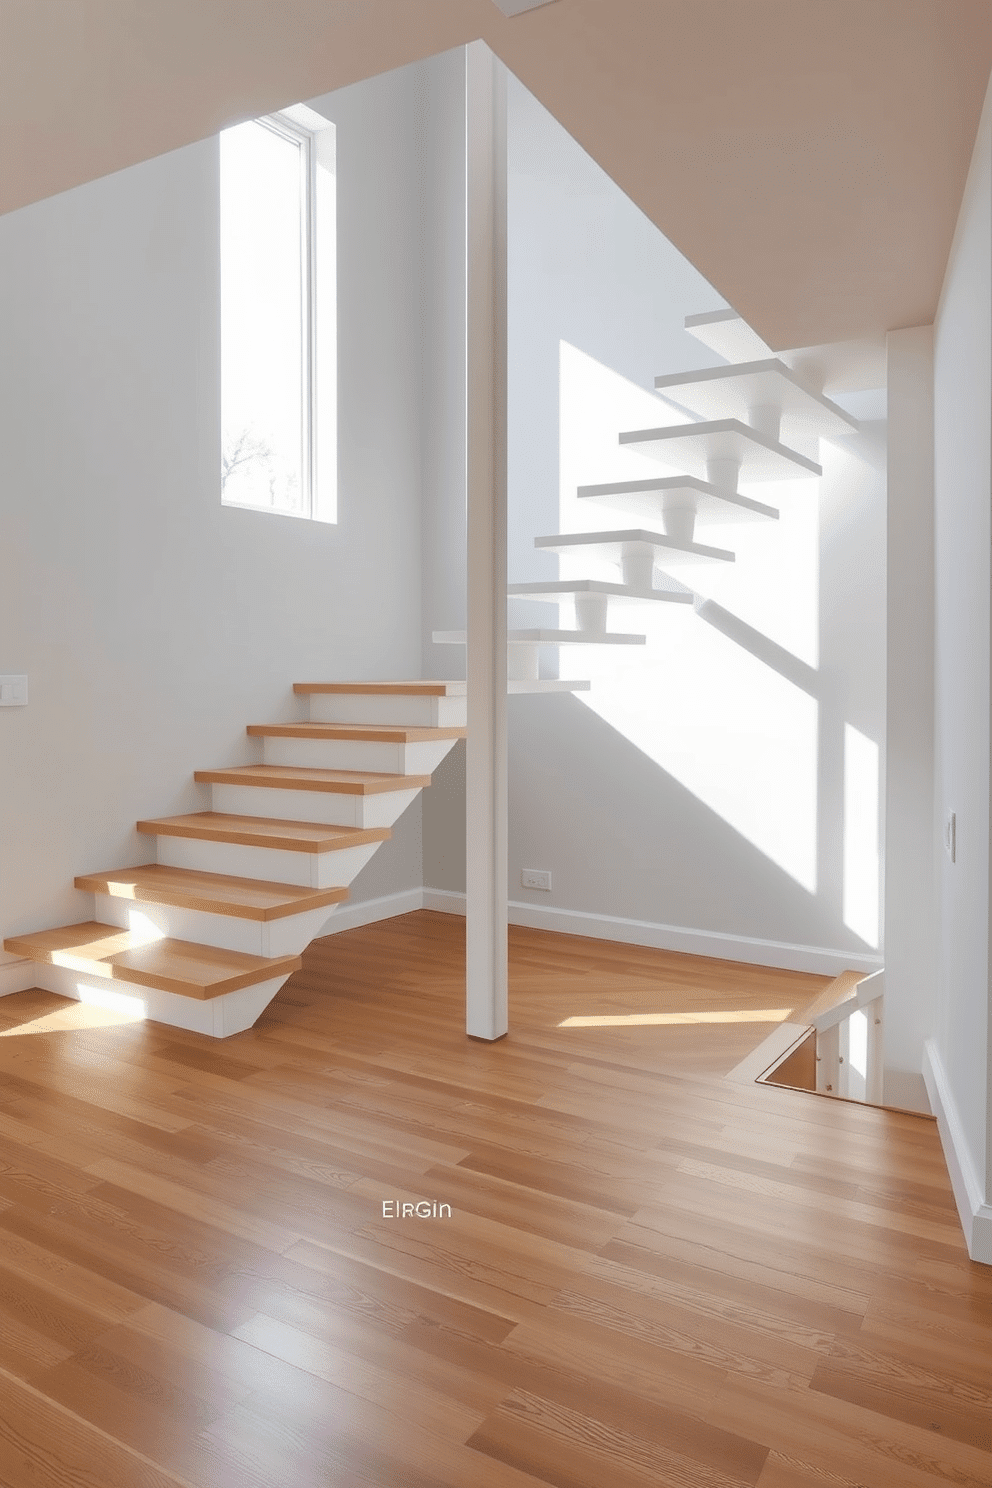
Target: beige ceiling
{"x":808,"y":156}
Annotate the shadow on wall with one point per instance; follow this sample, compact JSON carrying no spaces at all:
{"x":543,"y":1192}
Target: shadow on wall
{"x":738,"y":709}
{"x":624,"y":837}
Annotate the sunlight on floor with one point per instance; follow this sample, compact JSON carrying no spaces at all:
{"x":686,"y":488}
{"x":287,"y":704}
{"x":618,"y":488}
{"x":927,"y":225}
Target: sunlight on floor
{"x":645,"y":1020}
{"x":96,"y":1008}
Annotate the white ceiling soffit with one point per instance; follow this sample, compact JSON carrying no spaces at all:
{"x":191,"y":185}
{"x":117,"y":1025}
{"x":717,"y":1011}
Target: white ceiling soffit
{"x":808,"y":158}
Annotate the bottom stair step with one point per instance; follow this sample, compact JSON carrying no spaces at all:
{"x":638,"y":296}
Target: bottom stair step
{"x":178,"y":966}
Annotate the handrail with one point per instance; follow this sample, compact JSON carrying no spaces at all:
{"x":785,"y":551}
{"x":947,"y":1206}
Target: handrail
{"x":836,"y":1072}
{"x":868,"y":990}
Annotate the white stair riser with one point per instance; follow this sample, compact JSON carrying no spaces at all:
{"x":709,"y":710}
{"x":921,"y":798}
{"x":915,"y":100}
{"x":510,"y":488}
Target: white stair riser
{"x":358,"y":754}
{"x":419,"y":712}
{"x":324,"y":870}
{"x":218,"y":1017}
{"x":286,"y":936}
{"x":379,"y":810}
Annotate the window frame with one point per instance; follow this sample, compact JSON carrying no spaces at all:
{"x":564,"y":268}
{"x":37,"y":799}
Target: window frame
{"x":302,"y":126}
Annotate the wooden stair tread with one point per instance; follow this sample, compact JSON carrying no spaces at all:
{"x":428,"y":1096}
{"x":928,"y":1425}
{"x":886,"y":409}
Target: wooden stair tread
{"x":377,"y":689}
{"x":262,"y":831}
{"x":214,"y":893}
{"x":179,"y":966}
{"x":294,"y":777}
{"x":381,"y":733}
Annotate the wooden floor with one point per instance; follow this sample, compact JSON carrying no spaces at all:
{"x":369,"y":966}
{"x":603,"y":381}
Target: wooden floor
{"x":651,"y":1275}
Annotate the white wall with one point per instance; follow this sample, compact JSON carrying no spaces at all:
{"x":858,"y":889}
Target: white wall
{"x":910,"y":965}
{"x":154,"y":625}
{"x":663,"y":797}
{"x":958,"y":1069}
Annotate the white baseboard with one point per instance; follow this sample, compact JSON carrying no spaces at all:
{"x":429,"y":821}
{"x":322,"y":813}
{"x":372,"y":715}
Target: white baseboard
{"x":969,"y":1190}
{"x":367,"y":911}
{"x":16,"y":976}
{"x":670,"y":937}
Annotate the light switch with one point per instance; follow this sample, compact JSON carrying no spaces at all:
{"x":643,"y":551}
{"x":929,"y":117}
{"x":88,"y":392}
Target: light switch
{"x":13,"y":691}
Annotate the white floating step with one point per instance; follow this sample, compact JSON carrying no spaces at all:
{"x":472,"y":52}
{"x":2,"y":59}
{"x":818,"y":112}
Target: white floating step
{"x":524,"y":647}
{"x":592,"y":597}
{"x":724,"y":332}
{"x":765,"y":394}
{"x":723,"y":452}
{"x":679,"y":502}
{"x":554,"y":590}
{"x":636,"y":551}
{"x":548,"y":638}
{"x":518,"y":685}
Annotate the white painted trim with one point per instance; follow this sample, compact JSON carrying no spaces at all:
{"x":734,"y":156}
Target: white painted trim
{"x":17,"y":976}
{"x":368,"y":911}
{"x":969,"y":1195}
{"x":817,"y":959}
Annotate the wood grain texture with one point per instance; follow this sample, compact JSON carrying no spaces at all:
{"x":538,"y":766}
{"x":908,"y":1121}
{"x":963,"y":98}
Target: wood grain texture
{"x":651,"y":1274}
{"x":295,"y":777}
{"x":262,"y":831}
{"x":396,"y":689}
{"x":214,"y":893}
{"x":380,"y":733}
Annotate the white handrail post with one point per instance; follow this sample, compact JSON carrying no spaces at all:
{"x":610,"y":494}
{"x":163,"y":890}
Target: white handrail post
{"x":485,"y":394}
{"x":875,"y":1071}
{"x":828,"y":1060}
{"x":843,"y":1086}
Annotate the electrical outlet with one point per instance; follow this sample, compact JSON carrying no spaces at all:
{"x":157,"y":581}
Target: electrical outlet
{"x":536,"y":878}
{"x":13,"y":692}
{"x":951,"y":835}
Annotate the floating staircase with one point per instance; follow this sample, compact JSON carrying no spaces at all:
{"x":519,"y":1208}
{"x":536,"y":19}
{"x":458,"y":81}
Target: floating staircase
{"x":739,"y":415}
{"x":204,"y":937}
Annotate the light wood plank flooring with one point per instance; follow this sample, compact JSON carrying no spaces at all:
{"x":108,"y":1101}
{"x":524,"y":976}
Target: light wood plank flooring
{"x":651,"y":1274}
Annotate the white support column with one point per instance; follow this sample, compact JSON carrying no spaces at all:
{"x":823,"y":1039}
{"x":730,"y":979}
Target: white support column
{"x":485,"y":324}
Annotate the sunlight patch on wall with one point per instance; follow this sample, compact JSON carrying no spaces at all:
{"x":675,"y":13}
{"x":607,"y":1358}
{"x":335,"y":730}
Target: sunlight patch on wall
{"x":861,"y":855}
{"x":728,"y":726}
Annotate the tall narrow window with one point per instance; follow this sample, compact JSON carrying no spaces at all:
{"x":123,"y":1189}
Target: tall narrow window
{"x":278,"y":386}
